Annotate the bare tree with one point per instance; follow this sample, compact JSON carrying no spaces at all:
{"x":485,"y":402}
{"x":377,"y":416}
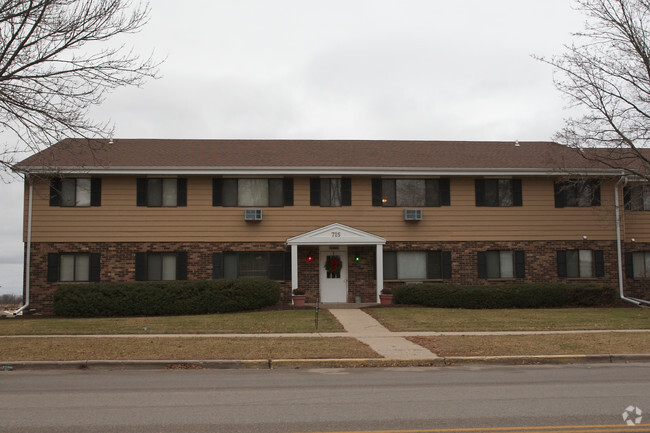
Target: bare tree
{"x":55,"y":64}
{"x":607,"y":77}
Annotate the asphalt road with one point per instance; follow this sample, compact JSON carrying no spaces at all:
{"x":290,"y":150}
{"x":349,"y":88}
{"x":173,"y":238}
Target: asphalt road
{"x":325,"y":400}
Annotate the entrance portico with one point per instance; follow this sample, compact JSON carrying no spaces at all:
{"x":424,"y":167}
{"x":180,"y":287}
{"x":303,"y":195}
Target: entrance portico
{"x":333,"y":242}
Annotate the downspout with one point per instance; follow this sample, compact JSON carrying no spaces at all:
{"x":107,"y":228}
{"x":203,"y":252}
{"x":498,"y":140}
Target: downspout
{"x":619,"y":249}
{"x":28,"y":259}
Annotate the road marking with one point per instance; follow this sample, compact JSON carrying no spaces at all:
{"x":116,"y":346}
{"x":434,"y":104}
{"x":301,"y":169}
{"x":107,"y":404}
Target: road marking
{"x":544,"y":429}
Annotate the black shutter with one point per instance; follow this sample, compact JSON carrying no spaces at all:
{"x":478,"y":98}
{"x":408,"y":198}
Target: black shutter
{"x":314,"y":191}
{"x":276,"y":265}
{"x":516,"y":193}
{"x":479,"y":190}
{"x":95,"y":267}
{"x":346,"y":191}
{"x":599,"y":263}
{"x":558,"y":187}
{"x":446,"y":265}
{"x":520,"y":264}
{"x":217,"y":266}
{"x":287,"y":266}
{"x":142,"y":191}
{"x":181,"y":191}
{"x":629,"y":265}
{"x":595,"y":200}
{"x":140,"y":266}
{"x":481,"y":264}
{"x":181,"y":266}
{"x":55,"y":192}
{"x":390,"y":265}
{"x":627,"y":198}
{"x":561,"y":263}
{"x":376,"y":191}
{"x":287,"y":189}
{"x":52,"y":267}
{"x":217,"y":191}
{"x":434,"y":265}
{"x":96,"y":191}
{"x":445,"y":195}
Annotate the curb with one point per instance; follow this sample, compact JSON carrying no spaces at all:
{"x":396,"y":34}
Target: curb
{"x":266,"y":364}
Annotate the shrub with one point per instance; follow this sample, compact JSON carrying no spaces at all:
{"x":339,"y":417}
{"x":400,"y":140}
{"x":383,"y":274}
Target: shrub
{"x":164,"y":298}
{"x":505,"y":296}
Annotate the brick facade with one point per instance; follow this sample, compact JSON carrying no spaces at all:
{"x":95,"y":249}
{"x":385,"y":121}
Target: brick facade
{"x":118,"y":264}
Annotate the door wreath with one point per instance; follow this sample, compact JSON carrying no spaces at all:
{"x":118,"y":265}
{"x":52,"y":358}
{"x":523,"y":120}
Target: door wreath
{"x":333,"y":264}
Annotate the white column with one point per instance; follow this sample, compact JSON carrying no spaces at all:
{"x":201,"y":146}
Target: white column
{"x":380,"y":269}
{"x":294,"y":267}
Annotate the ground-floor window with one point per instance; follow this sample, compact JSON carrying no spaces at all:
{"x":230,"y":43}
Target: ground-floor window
{"x":167,"y":266}
{"x":580,"y":263}
{"x":638,"y":264}
{"x":501,"y":264}
{"x":417,"y":265}
{"x":275,"y":265}
{"x":68,"y":267}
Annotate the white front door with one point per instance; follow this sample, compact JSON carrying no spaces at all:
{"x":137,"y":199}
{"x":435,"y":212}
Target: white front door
{"x":333,"y":274}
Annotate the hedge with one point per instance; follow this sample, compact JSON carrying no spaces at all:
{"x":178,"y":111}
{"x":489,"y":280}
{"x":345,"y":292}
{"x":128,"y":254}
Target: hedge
{"x":505,"y":296}
{"x":164,"y":298}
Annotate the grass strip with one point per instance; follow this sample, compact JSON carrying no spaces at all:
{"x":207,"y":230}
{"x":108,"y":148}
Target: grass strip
{"x":258,"y":322}
{"x":452,"y":319}
{"x":199,"y":348}
{"x":561,"y":344}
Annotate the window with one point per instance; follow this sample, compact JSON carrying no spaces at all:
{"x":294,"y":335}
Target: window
{"x":417,"y":265}
{"x":410,"y":192}
{"x":580,"y":263}
{"x":161,"y":266}
{"x":498,"y":192}
{"x":330,"y":192}
{"x":275,"y":265}
{"x":501,"y":264}
{"x":80,"y":192}
{"x":637,"y":265}
{"x":73,"y":267}
{"x":579,"y":193}
{"x":637,"y":197}
{"x":162,"y":192}
{"x":252,"y":192}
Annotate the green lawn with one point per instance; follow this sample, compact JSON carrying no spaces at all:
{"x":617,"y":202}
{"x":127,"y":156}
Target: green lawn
{"x":283,"y":321}
{"x":443,"y":319}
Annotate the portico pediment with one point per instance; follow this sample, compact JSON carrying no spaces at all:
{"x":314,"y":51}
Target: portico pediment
{"x":336,"y":234}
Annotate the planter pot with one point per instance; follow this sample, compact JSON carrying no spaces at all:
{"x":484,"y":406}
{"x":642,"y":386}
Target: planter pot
{"x":385,"y":299}
{"x":298,"y":300}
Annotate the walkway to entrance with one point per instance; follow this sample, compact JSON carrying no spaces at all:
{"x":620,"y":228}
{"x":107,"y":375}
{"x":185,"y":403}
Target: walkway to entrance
{"x":366,"y":329}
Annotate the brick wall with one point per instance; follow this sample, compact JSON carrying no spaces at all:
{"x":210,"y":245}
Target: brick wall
{"x":118,"y":264}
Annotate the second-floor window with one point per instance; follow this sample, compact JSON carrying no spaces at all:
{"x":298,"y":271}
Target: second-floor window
{"x":637,"y":197}
{"x":410,"y":192}
{"x":501,"y":264}
{"x":162,"y":192}
{"x":75,"y":192}
{"x":252,"y":192}
{"x":578,"y":193}
{"x":330,"y":192}
{"x":580,"y":263}
{"x":498,"y":192}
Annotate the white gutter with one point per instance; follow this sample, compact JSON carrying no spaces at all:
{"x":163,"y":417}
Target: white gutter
{"x":28,"y":259}
{"x":619,"y":253}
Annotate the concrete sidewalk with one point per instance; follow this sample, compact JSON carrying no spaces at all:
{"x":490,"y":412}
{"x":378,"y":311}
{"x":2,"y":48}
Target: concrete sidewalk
{"x":366,"y":329}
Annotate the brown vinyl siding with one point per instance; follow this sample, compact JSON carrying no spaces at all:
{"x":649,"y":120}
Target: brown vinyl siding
{"x":118,"y":219}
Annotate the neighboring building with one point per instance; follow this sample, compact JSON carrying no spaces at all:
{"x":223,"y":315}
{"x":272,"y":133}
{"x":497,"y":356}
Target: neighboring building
{"x":389,"y":211}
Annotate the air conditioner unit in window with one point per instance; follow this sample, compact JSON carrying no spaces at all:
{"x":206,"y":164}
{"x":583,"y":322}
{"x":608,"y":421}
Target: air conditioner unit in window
{"x":412,"y":214}
{"x":253,"y":214}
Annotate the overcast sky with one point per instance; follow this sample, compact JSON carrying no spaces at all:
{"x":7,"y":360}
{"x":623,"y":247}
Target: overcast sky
{"x":375,"y":69}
